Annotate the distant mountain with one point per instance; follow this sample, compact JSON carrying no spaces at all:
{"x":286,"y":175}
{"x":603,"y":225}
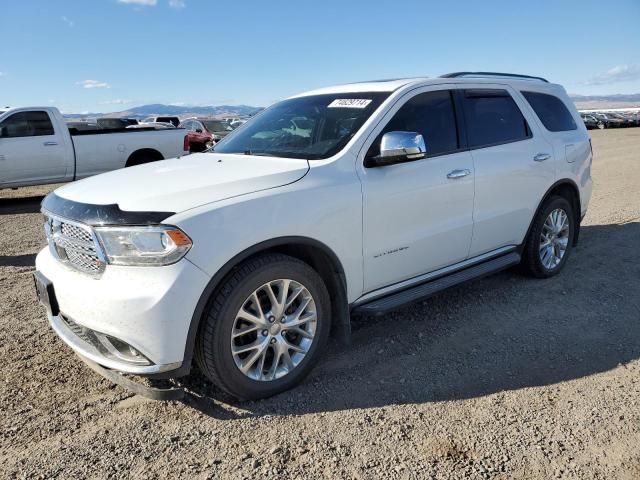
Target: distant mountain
{"x":585,"y":102}
{"x":174,"y":110}
{"x":582,"y":102}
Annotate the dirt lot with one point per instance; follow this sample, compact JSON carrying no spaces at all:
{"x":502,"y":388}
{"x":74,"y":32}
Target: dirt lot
{"x":507,"y":377}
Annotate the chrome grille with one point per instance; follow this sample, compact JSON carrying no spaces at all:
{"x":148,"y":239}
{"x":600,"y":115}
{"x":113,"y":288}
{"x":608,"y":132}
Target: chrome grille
{"x":74,"y":244}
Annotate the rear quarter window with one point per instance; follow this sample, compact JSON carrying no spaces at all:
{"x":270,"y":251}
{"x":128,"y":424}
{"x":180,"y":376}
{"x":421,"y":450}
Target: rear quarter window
{"x":551,"y":111}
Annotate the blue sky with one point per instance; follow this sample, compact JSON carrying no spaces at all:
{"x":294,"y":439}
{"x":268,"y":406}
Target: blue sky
{"x":107,"y":55}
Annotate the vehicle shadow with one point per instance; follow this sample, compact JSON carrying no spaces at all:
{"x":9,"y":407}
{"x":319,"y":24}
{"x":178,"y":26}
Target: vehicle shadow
{"x":18,"y":260}
{"x":505,"y":332}
{"x":14,"y":205}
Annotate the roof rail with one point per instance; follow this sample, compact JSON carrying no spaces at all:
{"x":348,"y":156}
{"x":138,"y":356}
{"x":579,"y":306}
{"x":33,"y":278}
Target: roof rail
{"x":492,"y":74}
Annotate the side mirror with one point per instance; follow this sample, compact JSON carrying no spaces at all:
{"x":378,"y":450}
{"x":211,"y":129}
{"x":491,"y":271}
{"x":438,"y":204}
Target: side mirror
{"x":198,"y":130}
{"x":398,"y":147}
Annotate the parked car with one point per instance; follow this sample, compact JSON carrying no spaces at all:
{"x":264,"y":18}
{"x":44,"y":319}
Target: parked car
{"x":236,"y":123}
{"x":83,"y":125}
{"x":609,"y":120}
{"x":115,"y":123}
{"x":591,"y":122}
{"x":205,"y":132}
{"x":626,"y":121}
{"x":154,"y":125}
{"x":635,"y":117}
{"x":38,"y":147}
{"x":245,"y":257}
{"x":175,"y":121}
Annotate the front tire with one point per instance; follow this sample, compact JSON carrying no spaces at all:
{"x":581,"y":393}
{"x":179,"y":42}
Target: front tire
{"x":550,"y":239}
{"x":265,"y":328}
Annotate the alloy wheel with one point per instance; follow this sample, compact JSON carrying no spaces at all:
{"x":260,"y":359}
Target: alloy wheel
{"x":554,"y":238}
{"x":273,"y":330}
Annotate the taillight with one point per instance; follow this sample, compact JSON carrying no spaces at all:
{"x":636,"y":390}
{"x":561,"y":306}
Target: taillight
{"x":185,"y":145}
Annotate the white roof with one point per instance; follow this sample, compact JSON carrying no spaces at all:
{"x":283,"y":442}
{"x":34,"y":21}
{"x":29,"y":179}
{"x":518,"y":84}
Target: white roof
{"x":374,"y":86}
{"x":395,"y":84}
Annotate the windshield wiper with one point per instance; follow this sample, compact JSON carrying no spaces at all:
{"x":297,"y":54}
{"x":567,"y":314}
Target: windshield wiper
{"x":258,"y":154}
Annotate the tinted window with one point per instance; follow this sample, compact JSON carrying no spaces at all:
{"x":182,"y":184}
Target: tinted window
{"x":492,"y":117}
{"x":27,"y":124}
{"x":430,"y":114}
{"x":217,"y":126}
{"x":551,"y":111}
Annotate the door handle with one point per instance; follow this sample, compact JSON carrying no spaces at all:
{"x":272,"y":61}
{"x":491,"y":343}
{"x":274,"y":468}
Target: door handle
{"x":453,"y":174}
{"x":541,"y":157}
{"x":50,"y":144}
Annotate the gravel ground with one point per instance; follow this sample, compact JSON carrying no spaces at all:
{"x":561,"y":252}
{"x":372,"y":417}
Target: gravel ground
{"x":506,"y":377}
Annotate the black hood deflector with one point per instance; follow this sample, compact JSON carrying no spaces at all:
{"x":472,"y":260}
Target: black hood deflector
{"x":97,"y":215}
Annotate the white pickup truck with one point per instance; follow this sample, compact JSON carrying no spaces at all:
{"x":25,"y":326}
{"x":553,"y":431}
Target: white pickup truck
{"x":37,"y":147}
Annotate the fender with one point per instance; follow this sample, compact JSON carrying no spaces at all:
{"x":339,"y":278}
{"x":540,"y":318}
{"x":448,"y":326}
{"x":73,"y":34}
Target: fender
{"x":576,"y":228}
{"x":341,"y":320}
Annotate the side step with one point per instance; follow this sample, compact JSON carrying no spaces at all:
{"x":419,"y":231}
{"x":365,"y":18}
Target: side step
{"x":394,"y":301}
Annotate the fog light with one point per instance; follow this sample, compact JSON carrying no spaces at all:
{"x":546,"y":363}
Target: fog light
{"x":110,"y":347}
{"x":121,"y":350}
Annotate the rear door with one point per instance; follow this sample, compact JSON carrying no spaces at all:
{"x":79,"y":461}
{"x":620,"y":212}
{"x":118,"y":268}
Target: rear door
{"x":513,"y":162}
{"x":31,"y":150}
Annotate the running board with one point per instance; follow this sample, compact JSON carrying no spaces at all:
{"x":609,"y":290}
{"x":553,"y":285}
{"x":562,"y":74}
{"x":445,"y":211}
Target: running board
{"x":394,"y":301}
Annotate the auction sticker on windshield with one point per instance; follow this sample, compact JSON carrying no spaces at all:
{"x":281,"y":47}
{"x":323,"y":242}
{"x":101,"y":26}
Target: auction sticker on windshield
{"x":349,"y":103}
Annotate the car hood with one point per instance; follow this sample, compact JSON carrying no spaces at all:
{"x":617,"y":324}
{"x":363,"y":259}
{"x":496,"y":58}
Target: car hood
{"x":182,"y":183}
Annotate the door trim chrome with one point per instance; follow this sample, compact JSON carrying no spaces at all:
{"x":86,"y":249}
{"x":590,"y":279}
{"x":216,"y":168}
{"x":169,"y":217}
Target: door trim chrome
{"x":381,"y":292}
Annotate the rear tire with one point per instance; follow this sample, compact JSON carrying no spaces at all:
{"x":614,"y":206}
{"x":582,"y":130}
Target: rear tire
{"x":268,"y":359}
{"x":550,"y":239}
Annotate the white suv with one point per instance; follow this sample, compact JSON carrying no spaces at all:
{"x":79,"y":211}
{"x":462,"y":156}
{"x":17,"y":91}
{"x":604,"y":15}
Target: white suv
{"x":247,"y":256}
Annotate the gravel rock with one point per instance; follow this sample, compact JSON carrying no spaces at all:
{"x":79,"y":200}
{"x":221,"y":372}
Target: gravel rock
{"x":507,"y":377}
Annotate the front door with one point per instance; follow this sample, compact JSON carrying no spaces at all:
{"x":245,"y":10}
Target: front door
{"x":30,"y":150}
{"x":418,"y":215}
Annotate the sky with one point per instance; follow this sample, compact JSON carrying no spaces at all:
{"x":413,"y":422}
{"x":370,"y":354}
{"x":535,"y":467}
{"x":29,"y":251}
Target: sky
{"x":110,"y":55}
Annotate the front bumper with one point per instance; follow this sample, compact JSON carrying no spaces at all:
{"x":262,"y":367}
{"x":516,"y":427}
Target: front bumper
{"x":89,"y":351}
{"x":148,"y":308}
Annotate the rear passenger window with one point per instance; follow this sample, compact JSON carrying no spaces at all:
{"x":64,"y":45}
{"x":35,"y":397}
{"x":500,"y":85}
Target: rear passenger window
{"x":432,"y":115}
{"x":492,"y":117}
{"x":27,"y":124}
{"x":551,"y":111}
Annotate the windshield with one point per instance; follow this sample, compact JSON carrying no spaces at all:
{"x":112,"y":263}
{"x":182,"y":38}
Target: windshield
{"x":217,"y":126}
{"x":311,"y":127}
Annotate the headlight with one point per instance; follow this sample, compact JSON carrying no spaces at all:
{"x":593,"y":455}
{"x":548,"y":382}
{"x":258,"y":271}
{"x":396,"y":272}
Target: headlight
{"x":155,"y":245}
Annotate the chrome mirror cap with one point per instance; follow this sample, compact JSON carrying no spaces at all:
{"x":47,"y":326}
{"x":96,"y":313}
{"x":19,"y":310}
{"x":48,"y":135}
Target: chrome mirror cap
{"x":403,"y":145}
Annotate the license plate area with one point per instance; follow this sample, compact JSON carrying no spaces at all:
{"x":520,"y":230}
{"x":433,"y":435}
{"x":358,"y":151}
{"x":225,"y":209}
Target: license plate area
{"x":46,"y":294}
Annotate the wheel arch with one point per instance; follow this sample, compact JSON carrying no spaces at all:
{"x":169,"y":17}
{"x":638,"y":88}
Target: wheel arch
{"x":567,"y":189}
{"x":143,"y":155}
{"x":313,"y":252}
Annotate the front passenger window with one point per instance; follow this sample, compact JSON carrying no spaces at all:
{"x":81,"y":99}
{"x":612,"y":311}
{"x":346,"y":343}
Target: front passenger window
{"x":430,"y":114}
